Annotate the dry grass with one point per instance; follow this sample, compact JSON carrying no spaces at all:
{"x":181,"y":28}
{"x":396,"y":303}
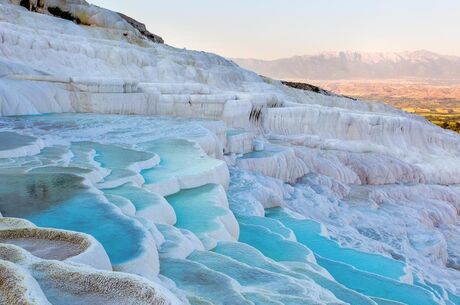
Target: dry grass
{"x":439,"y":102}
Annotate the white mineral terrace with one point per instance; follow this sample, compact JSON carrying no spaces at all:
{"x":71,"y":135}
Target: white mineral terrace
{"x":132,"y":172}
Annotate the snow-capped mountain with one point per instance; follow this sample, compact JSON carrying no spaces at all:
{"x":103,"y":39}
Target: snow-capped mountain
{"x":132,"y":172}
{"x":359,"y":65}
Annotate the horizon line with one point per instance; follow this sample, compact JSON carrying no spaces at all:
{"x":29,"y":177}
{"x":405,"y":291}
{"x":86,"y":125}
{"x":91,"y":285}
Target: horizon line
{"x":342,"y":51}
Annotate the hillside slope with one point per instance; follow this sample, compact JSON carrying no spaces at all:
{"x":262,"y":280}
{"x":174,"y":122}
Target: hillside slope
{"x":132,"y":172}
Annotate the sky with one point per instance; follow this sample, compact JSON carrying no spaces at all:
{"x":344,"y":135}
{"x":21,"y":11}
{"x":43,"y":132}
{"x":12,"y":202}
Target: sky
{"x":270,"y":29}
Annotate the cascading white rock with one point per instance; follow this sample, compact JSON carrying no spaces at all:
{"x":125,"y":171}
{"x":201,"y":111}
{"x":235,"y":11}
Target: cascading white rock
{"x":370,"y":173}
{"x":213,"y":88}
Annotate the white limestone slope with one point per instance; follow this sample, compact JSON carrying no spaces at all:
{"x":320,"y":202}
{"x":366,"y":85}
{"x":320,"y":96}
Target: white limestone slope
{"x":66,"y":67}
{"x":377,"y":179}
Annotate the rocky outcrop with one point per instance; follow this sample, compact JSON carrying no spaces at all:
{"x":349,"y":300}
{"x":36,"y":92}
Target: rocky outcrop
{"x":307,"y":87}
{"x":142,"y":29}
{"x":312,"y":88}
{"x":81,"y":12}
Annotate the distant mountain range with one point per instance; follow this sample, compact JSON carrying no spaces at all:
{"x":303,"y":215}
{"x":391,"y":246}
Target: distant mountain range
{"x":359,"y":65}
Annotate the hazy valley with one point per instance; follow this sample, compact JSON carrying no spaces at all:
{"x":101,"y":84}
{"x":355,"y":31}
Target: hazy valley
{"x":420,"y":82}
{"x":437,"y":101}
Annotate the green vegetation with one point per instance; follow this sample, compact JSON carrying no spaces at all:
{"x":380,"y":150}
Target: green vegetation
{"x":436,"y":100}
{"x":447,"y":121}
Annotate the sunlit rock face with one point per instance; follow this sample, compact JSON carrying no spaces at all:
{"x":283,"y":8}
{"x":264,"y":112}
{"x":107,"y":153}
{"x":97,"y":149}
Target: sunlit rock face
{"x":132,"y":172}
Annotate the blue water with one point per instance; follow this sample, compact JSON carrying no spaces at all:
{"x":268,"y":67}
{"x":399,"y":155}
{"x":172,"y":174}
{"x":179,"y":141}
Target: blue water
{"x":436,"y":290}
{"x":249,"y":255}
{"x":273,"y":245}
{"x":308,"y":232}
{"x":267,"y":152}
{"x":375,"y":285}
{"x":271,"y":224}
{"x":196,"y":209}
{"x":454,"y":298}
{"x":113,"y":157}
{"x":369,"y":274}
{"x":59,"y":200}
{"x":258,"y":154}
{"x":60,"y":170}
{"x":139,"y":197}
{"x":247,"y":275}
{"x":212,"y":287}
{"x":54,"y":196}
{"x":234,"y":132}
{"x":381,"y":301}
{"x":12,"y":140}
{"x":178,"y":158}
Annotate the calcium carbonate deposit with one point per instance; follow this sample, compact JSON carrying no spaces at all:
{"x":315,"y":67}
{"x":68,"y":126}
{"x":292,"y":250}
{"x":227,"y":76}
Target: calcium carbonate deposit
{"x":132,"y":172}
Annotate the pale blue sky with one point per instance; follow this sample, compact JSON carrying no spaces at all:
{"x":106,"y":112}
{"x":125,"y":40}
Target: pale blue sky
{"x":270,"y":29}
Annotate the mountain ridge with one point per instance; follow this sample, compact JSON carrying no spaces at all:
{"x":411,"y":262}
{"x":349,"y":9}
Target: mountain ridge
{"x":421,"y":64}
